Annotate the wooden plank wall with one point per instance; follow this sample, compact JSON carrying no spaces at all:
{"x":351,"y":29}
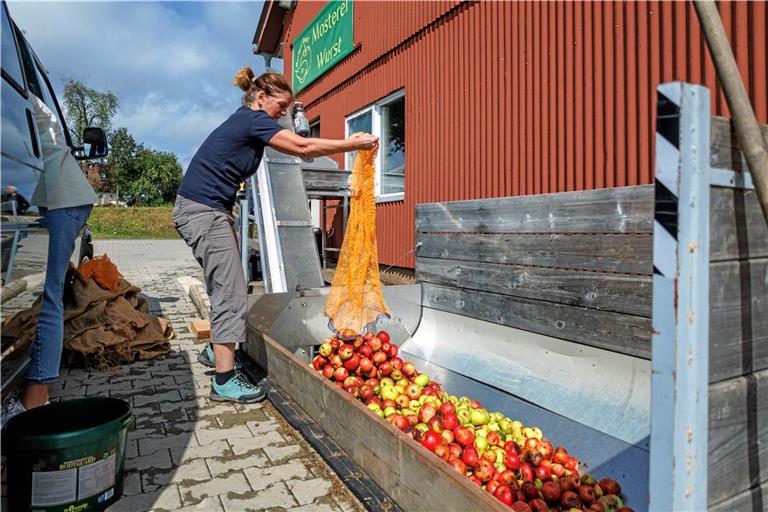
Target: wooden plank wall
{"x":574,"y":265}
{"x":738,"y":368}
{"x":577,"y":266}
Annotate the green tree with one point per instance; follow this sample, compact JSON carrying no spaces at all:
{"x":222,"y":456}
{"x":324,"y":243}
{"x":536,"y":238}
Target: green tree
{"x":121,"y":161}
{"x":158,"y":176}
{"x":87,"y":107}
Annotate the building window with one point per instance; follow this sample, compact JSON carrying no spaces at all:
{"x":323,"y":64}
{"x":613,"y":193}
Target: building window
{"x":386,"y":119}
{"x":314,"y":129}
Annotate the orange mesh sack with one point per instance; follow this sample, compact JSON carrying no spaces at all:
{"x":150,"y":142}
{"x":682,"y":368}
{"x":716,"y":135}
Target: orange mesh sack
{"x":103,"y":271}
{"x":355,"y":299}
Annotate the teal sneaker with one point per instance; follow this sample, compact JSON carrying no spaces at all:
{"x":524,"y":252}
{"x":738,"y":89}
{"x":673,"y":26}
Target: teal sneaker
{"x":237,"y":389}
{"x":206,"y":358}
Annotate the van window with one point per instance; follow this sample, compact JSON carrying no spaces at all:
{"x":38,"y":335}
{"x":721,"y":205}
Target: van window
{"x":44,"y":91}
{"x":11,"y":63}
{"x":29,"y":68}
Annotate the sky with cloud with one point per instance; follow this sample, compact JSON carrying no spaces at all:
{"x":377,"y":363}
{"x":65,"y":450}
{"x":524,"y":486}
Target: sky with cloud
{"x":170,"y":64}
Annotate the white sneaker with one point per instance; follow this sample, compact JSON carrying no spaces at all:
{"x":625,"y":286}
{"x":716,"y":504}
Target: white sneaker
{"x":12,"y":408}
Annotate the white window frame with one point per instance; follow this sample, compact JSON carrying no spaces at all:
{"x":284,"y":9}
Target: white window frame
{"x":375,"y":110}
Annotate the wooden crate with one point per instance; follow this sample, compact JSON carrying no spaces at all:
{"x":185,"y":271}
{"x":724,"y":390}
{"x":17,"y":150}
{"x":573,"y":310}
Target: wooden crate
{"x":407,"y":472}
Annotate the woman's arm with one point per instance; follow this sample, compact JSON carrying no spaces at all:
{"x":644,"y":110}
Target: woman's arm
{"x":288,"y":142}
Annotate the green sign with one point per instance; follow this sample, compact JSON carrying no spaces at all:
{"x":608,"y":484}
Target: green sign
{"x":325,"y":41}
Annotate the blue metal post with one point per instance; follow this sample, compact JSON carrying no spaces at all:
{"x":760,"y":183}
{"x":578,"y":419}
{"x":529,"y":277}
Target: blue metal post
{"x":680,"y":352}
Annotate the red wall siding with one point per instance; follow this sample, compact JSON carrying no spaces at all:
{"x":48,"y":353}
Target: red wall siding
{"x":523,"y":98}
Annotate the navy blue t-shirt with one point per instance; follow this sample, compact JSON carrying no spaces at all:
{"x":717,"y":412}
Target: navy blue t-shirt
{"x":229,"y":155}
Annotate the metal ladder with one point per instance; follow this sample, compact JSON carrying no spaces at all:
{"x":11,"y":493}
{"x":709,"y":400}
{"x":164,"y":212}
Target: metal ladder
{"x":287,"y":248}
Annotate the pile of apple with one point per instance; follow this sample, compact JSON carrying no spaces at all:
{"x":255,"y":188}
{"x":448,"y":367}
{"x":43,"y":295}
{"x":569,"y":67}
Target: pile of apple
{"x":512,"y":462}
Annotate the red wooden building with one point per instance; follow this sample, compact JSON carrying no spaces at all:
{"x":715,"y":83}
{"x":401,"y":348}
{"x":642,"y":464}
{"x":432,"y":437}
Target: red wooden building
{"x":488,"y":99}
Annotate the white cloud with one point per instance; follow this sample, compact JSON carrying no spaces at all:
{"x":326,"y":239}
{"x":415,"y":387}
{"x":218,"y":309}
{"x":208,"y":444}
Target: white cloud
{"x":170,"y":64}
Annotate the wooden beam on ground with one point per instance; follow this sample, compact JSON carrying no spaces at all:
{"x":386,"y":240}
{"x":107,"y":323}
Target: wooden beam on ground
{"x":200,"y":300}
{"x":201,"y":329}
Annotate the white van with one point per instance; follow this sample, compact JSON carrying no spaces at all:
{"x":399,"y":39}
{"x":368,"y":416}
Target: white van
{"x":24,"y":240}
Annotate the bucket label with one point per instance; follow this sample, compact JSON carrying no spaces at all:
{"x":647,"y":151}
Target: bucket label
{"x":96,"y":477}
{"x":74,"y":480}
{"x":54,"y":487}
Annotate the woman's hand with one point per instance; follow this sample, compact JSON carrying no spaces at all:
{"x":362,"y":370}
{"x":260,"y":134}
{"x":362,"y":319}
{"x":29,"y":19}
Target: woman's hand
{"x":365,"y":141}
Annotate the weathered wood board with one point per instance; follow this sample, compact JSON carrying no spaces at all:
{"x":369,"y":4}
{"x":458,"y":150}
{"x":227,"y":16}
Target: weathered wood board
{"x":622,"y":293}
{"x":414,"y":478}
{"x":738,"y":429}
{"x":725,"y":151}
{"x":738,"y":322}
{"x":617,"y":210}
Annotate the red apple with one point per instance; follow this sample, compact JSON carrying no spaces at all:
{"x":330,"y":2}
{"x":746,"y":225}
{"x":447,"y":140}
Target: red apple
{"x":491,"y":486}
{"x":447,"y":436}
{"x":385,"y":347}
{"x":385,"y":368}
{"x":543,"y":473}
{"x":526,"y":472}
{"x":447,"y":408}
{"x":346,"y":351}
{"x":350,"y":381}
{"x":375,"y":344}
{"x":455,"y":449}
{"x":442,"y":451}
{"x":430,"y":440}
{"x":470,"y":457}
{"x":409,"y":370}
{"x":508,"y":476}
{"x":373,"y":400}
{"x":368,"y":335}
{"x":379,"y":357}
{"x":335,"y":344}
{"x":560,"y":456}
{"x":493,"y":438}
{"x":450,"y":421}
{"x":383,"y":336}
{"x":335,"y":361}
{"x":399,"y":421}
{"x":328,"y":371}
{"x":352,"y":363}
{"x":388,"y":403}
{"x":340,"y":374}
{"x":459,"y":466}
{"x":365,"y":391}
{"x":395,"y":373}
{"x":557,"y":470}
{"x":484,"y":470}
{"x":426,"y":412}
{"x":402,"y":401}
{"x":365,"y":351}
{"x":511,"y":447}
{"x":365,"y":365}
{"x":392,"y":350}
{"x":435,"y":423}
{"x":512,"y":461}
{"x":504,"y":494}
{"x":319,"y":362}
{"x":396,"y":362}
{"x":463,"y":436}
{"x":413,"y":391}
{"x":572,"y":463}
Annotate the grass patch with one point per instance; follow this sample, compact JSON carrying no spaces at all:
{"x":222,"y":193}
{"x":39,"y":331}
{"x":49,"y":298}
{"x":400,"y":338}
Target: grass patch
{"x":138,"y":223}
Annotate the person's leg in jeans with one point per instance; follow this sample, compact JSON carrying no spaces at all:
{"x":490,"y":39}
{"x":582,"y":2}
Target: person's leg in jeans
{"x":63,"y":225}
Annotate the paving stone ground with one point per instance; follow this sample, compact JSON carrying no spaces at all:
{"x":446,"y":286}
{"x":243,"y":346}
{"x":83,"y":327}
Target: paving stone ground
{"x":186,"y":451}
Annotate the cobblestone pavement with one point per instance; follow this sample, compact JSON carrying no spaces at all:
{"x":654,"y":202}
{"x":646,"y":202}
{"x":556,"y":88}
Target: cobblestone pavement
{"x":187,"y":452}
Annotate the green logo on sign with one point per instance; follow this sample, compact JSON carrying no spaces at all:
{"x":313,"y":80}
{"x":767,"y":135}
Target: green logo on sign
{"x":325,"y":41}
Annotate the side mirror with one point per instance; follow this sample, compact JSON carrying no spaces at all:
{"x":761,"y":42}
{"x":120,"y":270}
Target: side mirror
{"x":94,"y":144}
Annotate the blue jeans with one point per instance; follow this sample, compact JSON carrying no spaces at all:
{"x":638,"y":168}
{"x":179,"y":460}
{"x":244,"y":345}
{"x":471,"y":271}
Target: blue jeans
{"x":64,"y":224}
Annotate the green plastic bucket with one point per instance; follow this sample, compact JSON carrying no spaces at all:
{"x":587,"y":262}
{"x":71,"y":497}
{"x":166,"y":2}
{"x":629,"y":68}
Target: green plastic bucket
{"x":67,"y":456}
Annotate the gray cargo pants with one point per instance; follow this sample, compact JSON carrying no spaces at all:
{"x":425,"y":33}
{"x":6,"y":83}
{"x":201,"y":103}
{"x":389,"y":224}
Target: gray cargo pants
{"x":211,"y":235}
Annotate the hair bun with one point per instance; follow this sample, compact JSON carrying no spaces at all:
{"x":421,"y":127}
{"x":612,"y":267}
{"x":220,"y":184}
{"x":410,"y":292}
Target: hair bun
{"x":244,"y":78}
